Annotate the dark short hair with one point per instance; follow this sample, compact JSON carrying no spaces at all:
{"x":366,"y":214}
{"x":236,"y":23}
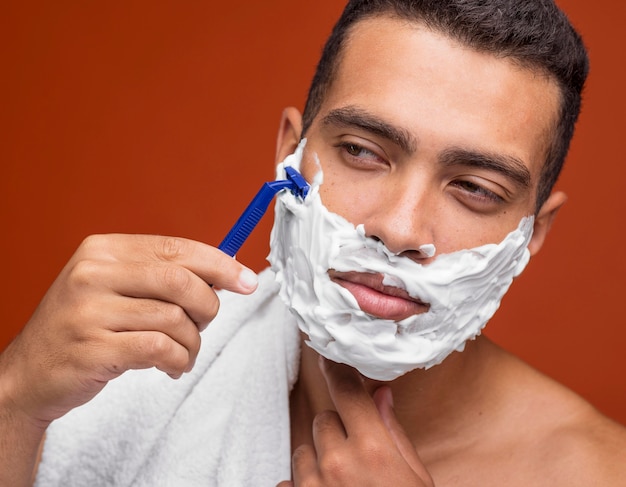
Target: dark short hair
{"x":534,"y":33}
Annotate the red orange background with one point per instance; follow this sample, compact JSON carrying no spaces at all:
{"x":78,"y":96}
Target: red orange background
{"x":160,"y":117}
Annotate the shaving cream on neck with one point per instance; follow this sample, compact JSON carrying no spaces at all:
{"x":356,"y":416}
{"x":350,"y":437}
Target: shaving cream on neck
{"x":463,"y":289}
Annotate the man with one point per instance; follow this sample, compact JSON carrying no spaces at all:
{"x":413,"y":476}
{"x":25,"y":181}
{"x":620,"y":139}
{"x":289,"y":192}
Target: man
{"x":438,"y":124}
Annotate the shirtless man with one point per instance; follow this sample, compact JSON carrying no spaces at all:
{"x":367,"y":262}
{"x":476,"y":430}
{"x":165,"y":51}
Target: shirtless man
{"x":426,"y":135}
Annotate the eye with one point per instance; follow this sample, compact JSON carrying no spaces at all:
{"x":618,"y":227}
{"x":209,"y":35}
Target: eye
{"x":477,"y":192}
{"x":356,"y":150}
{"x":358,"y":155}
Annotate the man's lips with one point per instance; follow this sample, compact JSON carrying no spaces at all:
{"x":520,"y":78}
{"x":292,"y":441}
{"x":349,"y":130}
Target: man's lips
{"x":375,"y":298}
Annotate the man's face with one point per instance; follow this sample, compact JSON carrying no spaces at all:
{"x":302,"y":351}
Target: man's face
{"x":425,"y":141}
{"x":422,"y":142}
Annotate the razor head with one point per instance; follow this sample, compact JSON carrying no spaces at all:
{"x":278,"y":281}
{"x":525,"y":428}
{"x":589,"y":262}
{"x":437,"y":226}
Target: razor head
{"x":258,"y":206}
{"x":300,"y":187}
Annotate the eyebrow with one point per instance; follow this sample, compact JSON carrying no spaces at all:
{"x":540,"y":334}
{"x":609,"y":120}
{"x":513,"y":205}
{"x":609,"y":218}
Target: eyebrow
{"x":507,"y":165}
{"x":351,"y":116}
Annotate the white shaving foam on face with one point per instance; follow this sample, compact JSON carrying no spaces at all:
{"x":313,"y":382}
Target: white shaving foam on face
{"x":463,"y":289}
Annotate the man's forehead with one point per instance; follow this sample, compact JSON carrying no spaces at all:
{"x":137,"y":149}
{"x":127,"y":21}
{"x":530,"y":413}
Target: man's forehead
{"x":372,"y":28}
{"x":383,"y":43}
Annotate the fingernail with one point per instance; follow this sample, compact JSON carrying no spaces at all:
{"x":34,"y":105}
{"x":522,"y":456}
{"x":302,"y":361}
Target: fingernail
{"x":248,"y":279}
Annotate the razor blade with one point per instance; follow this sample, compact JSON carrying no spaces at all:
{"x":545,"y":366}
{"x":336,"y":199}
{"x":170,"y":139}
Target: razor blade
{"x":258,"y":206}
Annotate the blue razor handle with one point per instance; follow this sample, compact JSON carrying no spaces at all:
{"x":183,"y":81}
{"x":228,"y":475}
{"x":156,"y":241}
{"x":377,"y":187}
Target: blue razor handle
{"x":258,"y":206}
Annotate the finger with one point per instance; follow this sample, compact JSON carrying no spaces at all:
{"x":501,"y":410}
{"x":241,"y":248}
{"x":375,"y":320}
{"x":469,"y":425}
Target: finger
{"x":383,"y":398}
{"x":304,"y":464}
{"x":209,"y":263}
{"x":353,"y":403}
{"x":328,"y":431}
{"x":171,"y":283}
{"x":143,"y":350}
{"x":286,"y":483}
{"x":126,"y":314}
{"x":154,"y":280}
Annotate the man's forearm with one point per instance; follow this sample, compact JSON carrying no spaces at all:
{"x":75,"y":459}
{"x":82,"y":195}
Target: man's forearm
{"x":20,"y":442}
{"x":21,"y":433}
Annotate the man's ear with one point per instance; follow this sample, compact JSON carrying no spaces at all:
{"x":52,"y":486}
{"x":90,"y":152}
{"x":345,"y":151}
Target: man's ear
{"x":289,"y":133}
{"x":544,"y":219}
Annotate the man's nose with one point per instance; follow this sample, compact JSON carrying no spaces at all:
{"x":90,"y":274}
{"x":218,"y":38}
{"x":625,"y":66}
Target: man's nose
{"x":403,"y":220}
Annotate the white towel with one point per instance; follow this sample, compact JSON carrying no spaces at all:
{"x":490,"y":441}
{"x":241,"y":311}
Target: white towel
{"x":224,"y":424}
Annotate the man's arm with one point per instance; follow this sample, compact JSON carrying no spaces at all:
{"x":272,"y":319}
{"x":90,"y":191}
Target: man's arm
{"x":122,"y":302}
{"x":21,"y":442}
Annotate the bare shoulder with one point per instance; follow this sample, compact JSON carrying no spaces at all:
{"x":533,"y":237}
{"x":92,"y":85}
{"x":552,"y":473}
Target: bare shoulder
{"x":585,"y":447}
{"x":522,"y":428}
{"x":568,"y":441}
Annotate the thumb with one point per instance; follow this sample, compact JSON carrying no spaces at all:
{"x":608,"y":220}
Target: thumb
{"x":383,"y":398}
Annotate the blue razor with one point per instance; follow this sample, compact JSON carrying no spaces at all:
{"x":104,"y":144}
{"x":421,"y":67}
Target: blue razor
{"x":258,"y":206}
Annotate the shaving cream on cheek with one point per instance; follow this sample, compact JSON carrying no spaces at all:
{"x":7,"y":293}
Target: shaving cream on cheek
{"x":463,"y":289}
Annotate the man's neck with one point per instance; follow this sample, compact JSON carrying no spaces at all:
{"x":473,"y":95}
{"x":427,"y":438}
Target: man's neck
{"x":432,"y":405}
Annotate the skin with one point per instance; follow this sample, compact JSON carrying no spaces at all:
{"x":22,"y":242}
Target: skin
{"x":481,"y":418}
{"x":122,"y":302}
{"x":398,"y":138}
